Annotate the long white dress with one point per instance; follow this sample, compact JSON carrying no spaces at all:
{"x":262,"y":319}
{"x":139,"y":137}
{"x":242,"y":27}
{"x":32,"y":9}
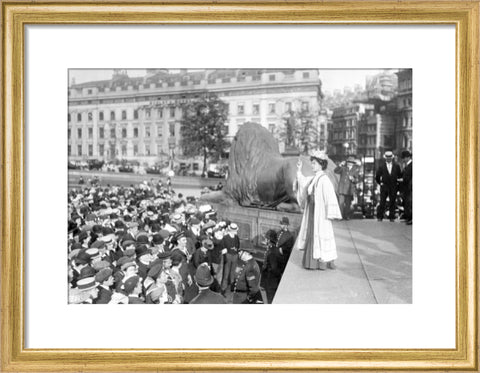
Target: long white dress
{"x":316,"y":195}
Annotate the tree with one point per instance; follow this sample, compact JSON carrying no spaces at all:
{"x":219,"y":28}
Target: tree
{"x":203,"y":128}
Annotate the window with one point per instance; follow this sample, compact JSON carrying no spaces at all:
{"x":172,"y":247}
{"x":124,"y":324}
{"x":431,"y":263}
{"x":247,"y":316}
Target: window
{"x":160,"y":113}
{"x":135,"y":114}
{"x":124,"y":132}
{"x":288,"y":106}
{"x":69,"y":150}
{"x":79,"y":133}
{"x":196,"y":167}
{"x":101,"y":149}
{"x":172,"y":112}
{"x":241,"y":109}
{"x":89,"y":91}
{"x":256,"y":109}
{"x":305,"y":106}
{"x":69,"y":117}
{"x":100,"y":115}
{"x":135,"y":132}
{"x":135,"y":149}
{"x":147,"y":149}
{"x":271,"y":78}
{"x":271,"y":108}
{"x":112,"y":133}
{"x":124,"y":114}
{"x":90,"y":150}
{"x":124,"y":150}
{"x":148,"y":113}
{"x":306,"y":75}
{"x":101,"y":132}
{"x":172,"y":129}
{"x":79,"y":117}
{"x":69,"y":133}
{"x":79,"y":150}
{"x":159,"y":130}
{"x":90,"y":132}
{"x":112,"y":115}
{"x":90,"y":117}
{"x":271,"y":127}
{"x":147,"y":131}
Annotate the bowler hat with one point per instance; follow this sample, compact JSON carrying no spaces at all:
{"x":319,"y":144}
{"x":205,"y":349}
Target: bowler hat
{"x":350,"y":160}
{"x":285,"y":221}
{"x":87,"y":272}
{"x":103,"y":275}
{"x":130,"y":284}
{"x":157,"y":239}
{"x":101,"y":264}
{"x":208,"y":244}
{"x":155,"y":271}
{"x":203,"y":275}
{"x":406,"y":154}
{"x":82,"y":258}
{"x":142,"y":250}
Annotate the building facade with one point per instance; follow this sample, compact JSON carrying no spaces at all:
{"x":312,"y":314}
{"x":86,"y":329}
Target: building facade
{"x":343,"y":131}
{"x":139,"y":119}
{"x":404,"y":122}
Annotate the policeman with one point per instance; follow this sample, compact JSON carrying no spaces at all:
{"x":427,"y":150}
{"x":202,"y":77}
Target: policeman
{"x":246,"y":286}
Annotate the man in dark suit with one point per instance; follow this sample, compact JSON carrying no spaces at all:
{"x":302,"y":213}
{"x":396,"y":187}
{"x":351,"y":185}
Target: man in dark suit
{"x":348,"y":172}
{"x":285,"y":241}
{"x":105,"y":280}
{"x":387,"y":176}
{"x":407,"y":186}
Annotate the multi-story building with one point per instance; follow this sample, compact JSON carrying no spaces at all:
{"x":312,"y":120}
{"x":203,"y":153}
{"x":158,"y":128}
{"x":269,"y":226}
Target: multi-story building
{"x":343,"y":131}
{"x":403,"y":123}
{"x":140,"y":118}
{"x":376,"y":132}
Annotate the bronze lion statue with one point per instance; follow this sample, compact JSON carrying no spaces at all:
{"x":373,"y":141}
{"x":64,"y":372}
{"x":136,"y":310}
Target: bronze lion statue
{"x":258,"y":175}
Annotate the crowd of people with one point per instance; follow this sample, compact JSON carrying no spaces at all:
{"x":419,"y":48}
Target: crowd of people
{"x":147,"y":244}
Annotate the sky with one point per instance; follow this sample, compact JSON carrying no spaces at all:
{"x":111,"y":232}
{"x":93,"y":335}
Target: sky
{"x":331,"y":79}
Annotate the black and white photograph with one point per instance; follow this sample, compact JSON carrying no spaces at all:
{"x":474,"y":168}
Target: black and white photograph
{"x":240,"y":186}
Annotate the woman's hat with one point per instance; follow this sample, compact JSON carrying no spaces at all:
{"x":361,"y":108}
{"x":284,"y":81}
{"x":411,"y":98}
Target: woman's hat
{"x":320,"y":154}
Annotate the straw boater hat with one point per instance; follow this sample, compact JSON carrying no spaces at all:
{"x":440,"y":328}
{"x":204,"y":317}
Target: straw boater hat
{"x":388,"y":154}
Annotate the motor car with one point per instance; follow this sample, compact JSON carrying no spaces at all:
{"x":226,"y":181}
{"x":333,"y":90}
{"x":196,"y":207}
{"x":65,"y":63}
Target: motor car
{"x":95,"y":164}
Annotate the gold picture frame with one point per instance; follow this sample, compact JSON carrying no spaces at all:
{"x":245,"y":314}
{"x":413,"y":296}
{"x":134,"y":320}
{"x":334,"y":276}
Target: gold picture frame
{"x":15,"y":15}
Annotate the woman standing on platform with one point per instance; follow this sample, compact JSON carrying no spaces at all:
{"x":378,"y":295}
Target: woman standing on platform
{"x":316,"y":196}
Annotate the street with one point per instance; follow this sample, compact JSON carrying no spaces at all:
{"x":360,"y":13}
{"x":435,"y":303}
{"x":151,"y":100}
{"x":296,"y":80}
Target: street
{"x":188,"y":185}
{"x":374,"y":266}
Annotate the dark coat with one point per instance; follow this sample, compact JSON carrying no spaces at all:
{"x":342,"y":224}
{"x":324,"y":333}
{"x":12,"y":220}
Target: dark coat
{"x":348,"y":179}
{"x":104,"y":296}
{"x":247,"y":277}
{"x":135,"y":300}
{"x":388,"y":180}
{"x":208,"y":297}
{"x":407,"y":178}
